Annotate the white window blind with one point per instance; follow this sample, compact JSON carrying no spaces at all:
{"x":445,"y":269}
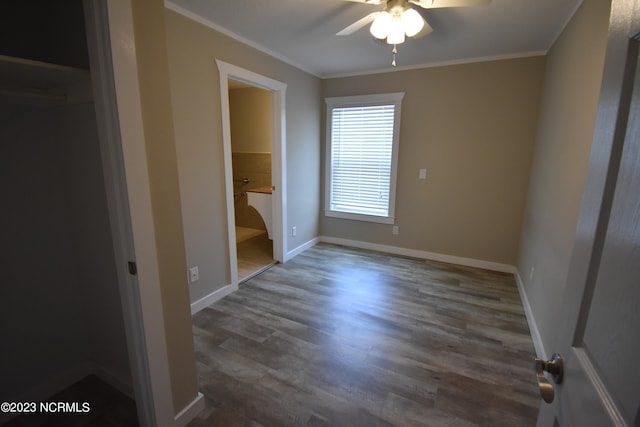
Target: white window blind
{"x":362,"y":148}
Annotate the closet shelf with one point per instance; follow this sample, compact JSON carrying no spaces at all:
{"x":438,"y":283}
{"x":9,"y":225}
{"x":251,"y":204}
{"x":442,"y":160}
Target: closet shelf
{"x":26,"y":73}
{"x":42,"y":81}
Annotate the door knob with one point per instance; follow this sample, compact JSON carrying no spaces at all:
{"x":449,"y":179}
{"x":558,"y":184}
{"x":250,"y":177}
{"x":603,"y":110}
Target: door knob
{"x":555,"y":368}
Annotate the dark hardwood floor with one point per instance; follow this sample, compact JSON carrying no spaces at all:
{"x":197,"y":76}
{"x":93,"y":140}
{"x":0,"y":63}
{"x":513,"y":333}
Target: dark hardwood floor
{"x":347,"y":337}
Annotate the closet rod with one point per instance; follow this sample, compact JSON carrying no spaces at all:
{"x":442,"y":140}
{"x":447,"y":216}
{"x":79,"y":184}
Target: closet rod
{"x":33,"y":94}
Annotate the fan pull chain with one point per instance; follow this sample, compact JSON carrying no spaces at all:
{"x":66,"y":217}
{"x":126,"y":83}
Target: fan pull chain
{"x":394,"y":51}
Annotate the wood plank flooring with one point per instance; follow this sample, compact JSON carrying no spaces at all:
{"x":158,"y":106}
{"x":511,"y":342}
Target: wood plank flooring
{"x":347,"y":337}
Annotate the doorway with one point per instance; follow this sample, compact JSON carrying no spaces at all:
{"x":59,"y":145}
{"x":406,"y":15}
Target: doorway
{"x":251,"y":146}
{"x":66,"y":262}
{"x":266,"y":198}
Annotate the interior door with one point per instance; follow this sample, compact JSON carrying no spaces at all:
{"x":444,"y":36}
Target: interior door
{"x":599,"y":338}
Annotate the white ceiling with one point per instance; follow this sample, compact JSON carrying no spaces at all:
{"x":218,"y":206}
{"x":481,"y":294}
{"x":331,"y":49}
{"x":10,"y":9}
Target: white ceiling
{"x":302,"y":32}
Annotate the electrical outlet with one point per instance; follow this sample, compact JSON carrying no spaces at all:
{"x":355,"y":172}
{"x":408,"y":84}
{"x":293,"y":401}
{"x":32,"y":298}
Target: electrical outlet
{"x":194,"y":275}
{"x":422,"y":174}
{"x":395,"y":230}
{"x":294,"y":231}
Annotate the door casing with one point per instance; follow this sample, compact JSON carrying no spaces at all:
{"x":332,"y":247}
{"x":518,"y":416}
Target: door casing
{"x":278,"y":158}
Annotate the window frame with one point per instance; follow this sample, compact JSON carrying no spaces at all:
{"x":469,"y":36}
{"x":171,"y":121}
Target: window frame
{"x":394,"y":99}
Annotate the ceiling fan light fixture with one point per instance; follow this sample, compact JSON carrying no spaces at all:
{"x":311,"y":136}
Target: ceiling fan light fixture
{"x":399,"y":19}
{"x":381,"y":25}
{"x":396,"y":30}
{"x":394,"y":24}
{"x":412,"y":22}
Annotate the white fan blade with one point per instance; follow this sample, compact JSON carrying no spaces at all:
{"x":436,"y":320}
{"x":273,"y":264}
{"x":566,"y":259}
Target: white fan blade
{"x":433,"y":4}
{"x":369,"y":1}
{"x":424,"y":31}
{"x":358,"y":24}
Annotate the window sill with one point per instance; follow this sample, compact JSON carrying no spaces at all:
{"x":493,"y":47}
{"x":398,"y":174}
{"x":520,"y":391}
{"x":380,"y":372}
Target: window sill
{"x":360,"y":217}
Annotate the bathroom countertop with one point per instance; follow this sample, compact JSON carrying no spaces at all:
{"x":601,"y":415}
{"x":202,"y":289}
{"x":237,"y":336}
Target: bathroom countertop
{"x":264,"y":190}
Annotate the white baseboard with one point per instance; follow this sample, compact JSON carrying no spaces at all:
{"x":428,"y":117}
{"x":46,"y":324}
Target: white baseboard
{"x":218,"y":294}
{"x":533,"y":326}
{"x":190,"y":411}
{"x":414,"y":253}
{"x":214,"y":296}
{"x":301,"y":248}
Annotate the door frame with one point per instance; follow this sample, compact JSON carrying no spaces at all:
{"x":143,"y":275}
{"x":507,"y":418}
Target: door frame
{"x":278,"y":158}
{"x":121,"y":139}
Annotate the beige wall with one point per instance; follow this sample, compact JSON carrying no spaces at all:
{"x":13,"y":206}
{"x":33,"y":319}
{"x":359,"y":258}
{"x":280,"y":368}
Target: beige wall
{"x":153,"y":78}
{"x":250,"y":116}
{"x":472,"y":127}
{"x":195,"y":91}
{"x":570,"y":96}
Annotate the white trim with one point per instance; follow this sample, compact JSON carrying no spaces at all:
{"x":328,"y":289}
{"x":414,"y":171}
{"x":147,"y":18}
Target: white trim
{"x":212,"y":25}
{"x":214,"y":296}
{"x":228,"y":176}
{"x":563,"y":27}
{"x":605,"y":399}
{"x":356,"y":216}
{"x":279,"y":166}
{"x":414,"y":253}
{"x":531,"y":320}
{"x":278,"y":158}
{"x":303,"y":247}
{"x":377,"y":99}
{"x":190,"y":411}
{"x":209,"y":24}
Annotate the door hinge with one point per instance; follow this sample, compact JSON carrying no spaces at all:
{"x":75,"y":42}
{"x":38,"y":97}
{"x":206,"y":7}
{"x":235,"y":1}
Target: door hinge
{"x":133,"y":268}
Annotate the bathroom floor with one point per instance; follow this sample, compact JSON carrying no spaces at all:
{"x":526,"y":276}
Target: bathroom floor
{"x":255,"y":252}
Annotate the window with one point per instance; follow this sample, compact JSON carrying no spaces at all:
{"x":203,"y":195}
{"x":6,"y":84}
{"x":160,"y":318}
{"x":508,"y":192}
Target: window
{"x":362,"y":156}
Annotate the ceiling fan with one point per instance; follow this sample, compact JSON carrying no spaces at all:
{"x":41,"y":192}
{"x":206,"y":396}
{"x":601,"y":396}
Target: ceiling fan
{"x":400,"y":19}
